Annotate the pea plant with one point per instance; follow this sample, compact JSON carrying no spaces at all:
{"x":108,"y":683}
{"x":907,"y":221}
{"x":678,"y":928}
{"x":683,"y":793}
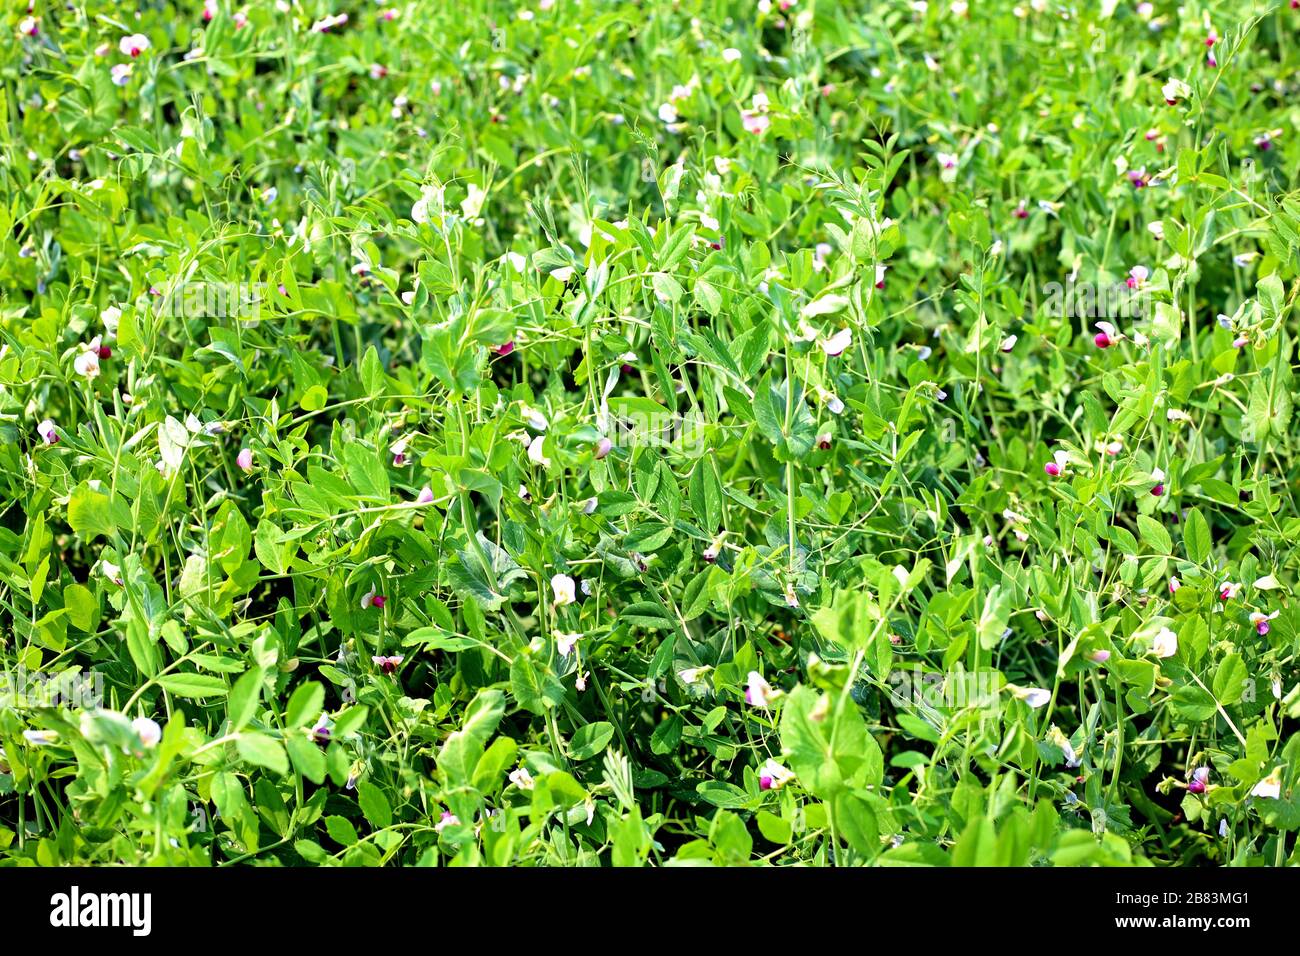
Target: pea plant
{"x":647,"y":432}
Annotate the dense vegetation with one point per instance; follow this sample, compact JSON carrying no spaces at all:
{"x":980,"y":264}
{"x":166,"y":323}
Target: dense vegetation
{"x":649,"y":432}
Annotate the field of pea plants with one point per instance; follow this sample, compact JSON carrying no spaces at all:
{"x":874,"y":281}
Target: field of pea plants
{"x":649,"y":433}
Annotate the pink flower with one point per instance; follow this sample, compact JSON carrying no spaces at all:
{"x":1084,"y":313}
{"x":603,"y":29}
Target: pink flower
{"x":755,"y":122}
{"x":1229,"y":590}
{"x":1099,"y":657}
{"x":1198,"y":780}
{"x":880,"y":275}
{"x":1174,"y":585}
{"x":1259,"y":620}
{"x":773,"y":776}
{"x":505,"y":348}
{"x":387,"y":664}
{"x":371,"y":599}
{"x":133,"y":45}
{"x":425,"y":496}
{"x":29,"y":26}
{"x":1137,"y":277}
{"x":603,"y":448}
{"x":241,"y":19}
{"x":1057,"y":465}
{"x":758,"y":692}
{"x":245,"y":460}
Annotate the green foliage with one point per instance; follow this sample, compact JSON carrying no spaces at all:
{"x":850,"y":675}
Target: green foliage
{"x":653,"y":433}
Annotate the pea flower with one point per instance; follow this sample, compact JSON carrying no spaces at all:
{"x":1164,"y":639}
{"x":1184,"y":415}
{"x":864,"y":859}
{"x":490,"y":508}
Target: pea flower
{"x":773,"y":776}
{"x":1108,"y":335}
{"x":1259,"y":620}
{"x":1229,"y":590}
{"x":837,"y":343}
{"x":1165,"y":644}
{"x":147,"y":730}
{"x":564,"y":643}
{"x":1270,"y":788}
{"x":133,"y":45}
{"x":1159,"y":477}
{"x":46,"y":430}
{"x":1035,"y":697}
{"x":564,"y":589}
{"x":41,"y":738}
{"x":447,"y":819}
{"x":1200,"y":777}
{"x":603,"y":448}
{"x":398,"y":451}
{"x":371,"y":599}
{"x":387,"y":664}
{"x":1175,"y":90}
{"x":536,"y":454}
{"x":1174,"y":585}
{"x":245,"y":460}
{"x":1056,"y":467}
{"x":521,"y":778}
{"x":29,"y":26}
{"x":1137,"y":277}
{"x":425,"y":496}
{"x":86,"y":364}
{"x":758,"y":692}
{"x":881,"y":269}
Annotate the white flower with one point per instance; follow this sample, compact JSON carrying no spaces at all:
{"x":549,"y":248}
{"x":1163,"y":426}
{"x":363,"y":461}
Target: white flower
{"x":1035,"y":697}
{"x":731,"y":54}
{"x":111,"y":317}
{"x":40,"y":738}
{"x":521,"y":778}
{"x":692,"y":674}
{"x":1165,"y":643}
{"x":535,"y":419}
{"x":668,"y":113}
{"x":564,"y":589}
{"x":46,"y":430}
{"x":1007,"y":344}
{"x":1175,"y":90}
{"x":838,"y":342}
{"x":535,"y":453}
{"x":1157,"y":229}
{"x":472,"y":204}
{"x":147,"y":730}
{"x":564,"y":642}
{"x":429,"y":196}
{"x":86,"y":363}
{"x":1270,"y":788}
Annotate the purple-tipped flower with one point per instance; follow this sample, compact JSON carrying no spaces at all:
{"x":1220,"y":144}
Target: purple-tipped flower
{"x":245,"y":460}
{"x":603,"y":448}
{"x":1200,"y":776}
{"x":387,"y":664}
{"x":46,"y":430}
{"x":425,"y":497}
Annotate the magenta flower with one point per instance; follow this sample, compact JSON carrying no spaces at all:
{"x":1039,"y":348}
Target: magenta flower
{"x":387,"y":664}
